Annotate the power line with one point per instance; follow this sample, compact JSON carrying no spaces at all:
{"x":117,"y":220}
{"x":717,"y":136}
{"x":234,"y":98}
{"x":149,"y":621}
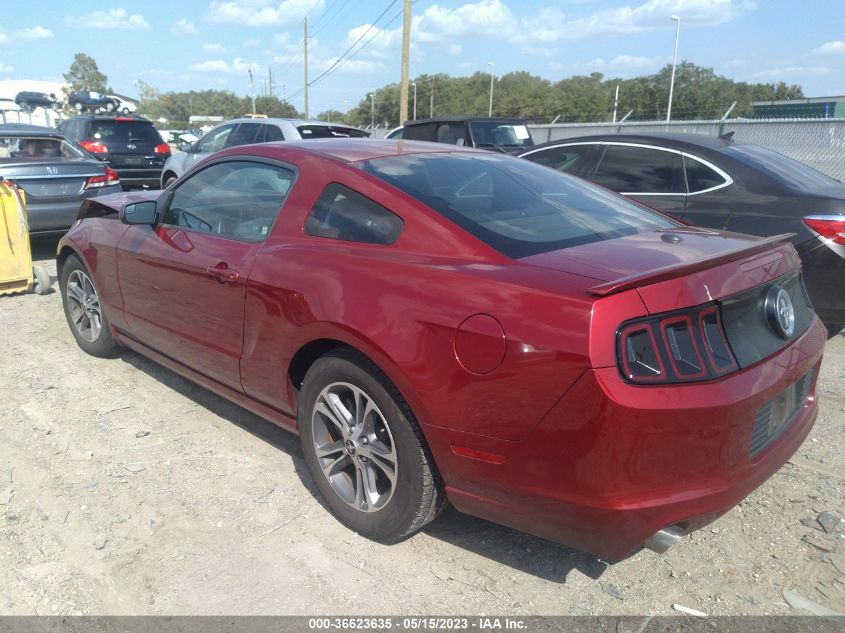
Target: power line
{"x":343,"y":58}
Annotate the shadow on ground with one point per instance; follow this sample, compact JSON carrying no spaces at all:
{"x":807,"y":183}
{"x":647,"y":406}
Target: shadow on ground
{"x":520,"y":551}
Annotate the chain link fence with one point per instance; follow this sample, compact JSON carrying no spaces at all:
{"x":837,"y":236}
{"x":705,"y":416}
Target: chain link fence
{"x":819,"y":143}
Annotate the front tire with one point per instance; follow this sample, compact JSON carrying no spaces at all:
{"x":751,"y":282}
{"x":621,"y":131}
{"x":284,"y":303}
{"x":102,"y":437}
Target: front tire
{"x":365,"y":450}
{"x":84,"y":312}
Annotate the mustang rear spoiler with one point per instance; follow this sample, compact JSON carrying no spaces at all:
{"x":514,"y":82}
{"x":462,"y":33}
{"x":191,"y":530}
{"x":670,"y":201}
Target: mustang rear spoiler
{"x":673,"y":271}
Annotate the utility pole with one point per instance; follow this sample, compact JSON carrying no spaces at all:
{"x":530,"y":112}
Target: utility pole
{"x":403,"y":82}
{"x":251,"y":90}
{"x":492,"y":77}
{"x":615,"y":103}
{"x":270,"y":81}
{"x":677,"y":21}
{"x":431,"y":104}
{"x":305,"y":40}
{"x":372,"y":110}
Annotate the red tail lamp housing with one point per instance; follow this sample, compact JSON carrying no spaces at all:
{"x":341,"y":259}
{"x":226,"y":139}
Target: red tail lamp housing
{"x":95,"y":147}
{"x":830,"y":226}
{"x":109,"y":177}
{"x":685,"y":346}
{"x":162,"y":148}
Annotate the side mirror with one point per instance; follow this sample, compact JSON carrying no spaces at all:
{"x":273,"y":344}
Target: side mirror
{"x":185,"y":146}
{"x":139,"y":213}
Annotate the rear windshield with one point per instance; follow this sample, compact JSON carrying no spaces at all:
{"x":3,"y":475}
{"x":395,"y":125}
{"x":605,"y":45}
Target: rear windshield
{"x":515,"y":206}
{"x":330,"y":131}
{"x":125,"y":131}
{"x":499,"y":134}
{"x":18,"y":148}
{"x":790,"y":172}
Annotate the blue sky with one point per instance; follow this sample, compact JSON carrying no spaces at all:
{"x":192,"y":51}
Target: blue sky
{"x":199,"y":44}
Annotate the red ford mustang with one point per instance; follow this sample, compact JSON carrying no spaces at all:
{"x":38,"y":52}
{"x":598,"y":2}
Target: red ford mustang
{"x":440,"y":323}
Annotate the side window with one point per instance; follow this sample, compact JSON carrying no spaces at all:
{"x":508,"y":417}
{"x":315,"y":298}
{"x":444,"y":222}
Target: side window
{"x":271,"y":133}
{"x":452,"y":133}
{"x":343,"y":214}
{"x":236,"y":199}
{"x":565,"y":158}
{"x":215,"y":140}
{"x":700,"y":177}
{"x":426,"y":132}
{"x":244,"y":134}
{"x":629,"y":169}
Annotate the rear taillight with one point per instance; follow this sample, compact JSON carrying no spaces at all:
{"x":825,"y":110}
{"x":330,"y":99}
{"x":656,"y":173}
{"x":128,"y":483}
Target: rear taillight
{"x":683,"y":346}
{"x":162,"y":148}
{"x":109,"y":177}
{"x":831,"y":227}
{"x":95,"y":147}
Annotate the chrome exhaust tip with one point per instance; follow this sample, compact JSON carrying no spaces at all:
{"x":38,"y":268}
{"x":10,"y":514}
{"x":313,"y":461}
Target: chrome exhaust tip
{"x":663,"y":539}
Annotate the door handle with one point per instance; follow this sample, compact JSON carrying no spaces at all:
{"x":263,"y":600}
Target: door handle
{"x":223,"y":273}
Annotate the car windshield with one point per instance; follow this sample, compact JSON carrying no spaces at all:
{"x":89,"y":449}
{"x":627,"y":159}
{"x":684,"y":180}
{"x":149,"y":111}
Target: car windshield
{"x":500,"y":134}
{"x":515,"y":206}
{"x":330,"y":131}
{"x":17,"y":148}
{"x":792,"y":173}
{"x":125,"y":131}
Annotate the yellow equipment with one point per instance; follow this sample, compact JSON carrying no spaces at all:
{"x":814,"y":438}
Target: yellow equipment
{"x":16,"y":271}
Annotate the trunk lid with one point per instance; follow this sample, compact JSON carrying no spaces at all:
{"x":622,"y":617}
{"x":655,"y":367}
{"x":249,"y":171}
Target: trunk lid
{"x":52,"y":178}
{"x":675,"y":268}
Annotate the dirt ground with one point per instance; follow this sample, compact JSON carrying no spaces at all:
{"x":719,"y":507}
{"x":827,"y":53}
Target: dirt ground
{"x":125,"y":489}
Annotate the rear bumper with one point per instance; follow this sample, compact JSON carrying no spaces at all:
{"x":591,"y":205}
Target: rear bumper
{"x":824,"y":272}
{"x":613,"y":463}
{"x":135,"y":178}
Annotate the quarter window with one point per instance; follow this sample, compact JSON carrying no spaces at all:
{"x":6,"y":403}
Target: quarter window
{"x":245,"y":134}
{"x":700,"y":177}
{"x":343,"y":214}
{"x":629,"y":169}
{"x":236,"y":199}
{"x":271,"y":133}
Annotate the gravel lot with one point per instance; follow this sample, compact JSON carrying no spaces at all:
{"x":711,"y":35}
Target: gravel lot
{"x":125,"y":489}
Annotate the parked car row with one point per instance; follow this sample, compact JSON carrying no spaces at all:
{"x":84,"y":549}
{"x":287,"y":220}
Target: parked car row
{"x":79,"y":100}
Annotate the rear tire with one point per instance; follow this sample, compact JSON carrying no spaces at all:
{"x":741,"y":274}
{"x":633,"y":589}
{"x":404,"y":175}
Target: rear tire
{"x":84,"y":312}
{"x":168,"y":181}
{"x":365,"y":450}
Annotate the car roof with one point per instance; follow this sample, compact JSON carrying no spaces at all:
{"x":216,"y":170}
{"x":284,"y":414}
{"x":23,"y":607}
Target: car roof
{"x":463,"y":118}
{"x":353,"y":150}
{"x":675,"y":141}
{"x":15,"y":129}
{"x":294,"y":122}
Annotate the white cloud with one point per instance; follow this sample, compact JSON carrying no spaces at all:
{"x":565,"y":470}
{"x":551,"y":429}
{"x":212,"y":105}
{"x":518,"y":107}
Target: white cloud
{"x":627,"y":62}
{"x":5,"y":68}
{"x":111,"y":19}
{"x":23,"y":35}
{"x":495,"y":19}
{"x":35,"y":33}
{"x":455,"y":50}
{"x":213,"y":47}
{"x":793,"y":70}
{"x":837,"y":48}
{"x":183,"y":27}
{"x":261,"y":12}
{"x":237,"y":65}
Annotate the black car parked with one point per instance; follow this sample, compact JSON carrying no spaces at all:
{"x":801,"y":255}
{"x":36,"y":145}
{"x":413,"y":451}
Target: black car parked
{"x":90,"y":100}
{"x":716,"y":183}
{"x":129,"y":144}
{"x":55,"y":175}
{"x":28,"y":100}
{"x":503,"y":134}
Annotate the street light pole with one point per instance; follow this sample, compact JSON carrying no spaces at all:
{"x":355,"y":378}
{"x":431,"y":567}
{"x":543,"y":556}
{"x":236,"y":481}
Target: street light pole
{"x":251,"y":90}
{"x":492,"y":76}
{"x":414,"y":84}
{"x":372,"y":110}
{"x":677,"y":21}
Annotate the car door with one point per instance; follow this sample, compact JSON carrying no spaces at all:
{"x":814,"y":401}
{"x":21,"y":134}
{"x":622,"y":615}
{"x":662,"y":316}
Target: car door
{"x":183,"y":280}
{"x":651,"y":175}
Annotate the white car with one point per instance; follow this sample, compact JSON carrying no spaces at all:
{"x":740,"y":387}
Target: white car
{"x":245,"y":131}
{"x":124,"y":105}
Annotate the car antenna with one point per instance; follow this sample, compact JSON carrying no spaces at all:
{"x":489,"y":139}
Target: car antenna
{"x":728,"y":136}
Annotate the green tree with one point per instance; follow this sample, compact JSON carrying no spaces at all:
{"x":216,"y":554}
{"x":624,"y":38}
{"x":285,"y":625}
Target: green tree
{"x":84,"y":74}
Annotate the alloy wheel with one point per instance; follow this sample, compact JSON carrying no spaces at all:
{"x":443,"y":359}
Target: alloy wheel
{"x":354,"y":446}
{"x":84,"y":306}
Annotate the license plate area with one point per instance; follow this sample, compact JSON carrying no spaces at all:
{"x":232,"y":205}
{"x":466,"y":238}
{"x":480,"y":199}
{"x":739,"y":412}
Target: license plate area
{"x":774,"y":417}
